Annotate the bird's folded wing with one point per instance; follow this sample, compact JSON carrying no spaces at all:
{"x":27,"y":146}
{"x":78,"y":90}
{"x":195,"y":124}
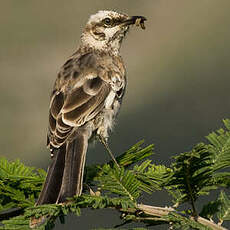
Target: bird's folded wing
{"x":75,"y":106}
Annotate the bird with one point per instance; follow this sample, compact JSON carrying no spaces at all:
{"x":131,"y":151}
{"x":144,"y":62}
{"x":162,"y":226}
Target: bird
{"x":85,"y":102}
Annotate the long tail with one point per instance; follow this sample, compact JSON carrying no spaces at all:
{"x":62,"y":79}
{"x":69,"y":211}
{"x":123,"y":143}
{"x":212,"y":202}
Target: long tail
{"x":52,"y":184}
{"x":54,"y":176}
{"x":74,"y":168}
{"x":65,"y":174}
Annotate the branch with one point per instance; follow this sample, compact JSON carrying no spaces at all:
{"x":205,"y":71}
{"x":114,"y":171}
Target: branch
{"x":161,"y":212}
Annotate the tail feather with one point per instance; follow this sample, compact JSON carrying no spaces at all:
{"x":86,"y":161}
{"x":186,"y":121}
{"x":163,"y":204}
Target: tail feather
{"x":74,"y":168}
{"x":54,"y":176}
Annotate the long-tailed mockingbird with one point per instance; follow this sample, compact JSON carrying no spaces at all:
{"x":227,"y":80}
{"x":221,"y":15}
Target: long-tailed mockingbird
{"x":85,"y":100}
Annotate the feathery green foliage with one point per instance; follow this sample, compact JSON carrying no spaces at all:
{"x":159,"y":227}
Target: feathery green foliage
{"x":219,"y":147}
{"x":151,"y":177}
{"x":224,"y":209}
{"x":119,"y":181}
{"x":192,"y":174}
{"x":18,"y":222}
{"x":133,"y":155}
{"x":183,"y":223}
{"x":220,"y":209}
{"x":19,"y":185}
{"x":210,"y":209}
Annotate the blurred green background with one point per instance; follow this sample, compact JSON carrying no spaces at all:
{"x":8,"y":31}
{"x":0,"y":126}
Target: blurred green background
{"x":178,"y":78}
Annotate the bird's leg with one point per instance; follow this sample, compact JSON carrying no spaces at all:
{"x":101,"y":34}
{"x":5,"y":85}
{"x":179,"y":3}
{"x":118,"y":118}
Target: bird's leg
{"x":105,"y":143}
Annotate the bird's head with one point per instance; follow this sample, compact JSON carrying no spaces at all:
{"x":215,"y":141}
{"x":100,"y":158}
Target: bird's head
{"x":105,"y":30}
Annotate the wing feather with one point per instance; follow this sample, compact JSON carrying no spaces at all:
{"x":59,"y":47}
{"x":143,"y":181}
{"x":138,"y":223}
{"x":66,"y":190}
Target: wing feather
{"x":56,"y":104}
{"x":74,"y":108}
{"x":77,"y":98}
{"x":79,"y":114}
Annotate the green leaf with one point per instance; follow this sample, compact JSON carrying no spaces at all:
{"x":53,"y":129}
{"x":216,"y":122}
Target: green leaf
{"x":210,"y":209}
{"x":19,"y":184}
{"x":192,"y":173}
{"x":119,"y":181}
{"x":135,"y":154}
{"x":220,"y":147}
{"x":224,"y":208}
{"x":152,"y":177}
{"x":183,"y":223}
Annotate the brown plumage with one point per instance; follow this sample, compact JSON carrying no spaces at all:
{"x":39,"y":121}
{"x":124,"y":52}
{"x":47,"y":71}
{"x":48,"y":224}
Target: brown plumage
{"x":85,"y":100}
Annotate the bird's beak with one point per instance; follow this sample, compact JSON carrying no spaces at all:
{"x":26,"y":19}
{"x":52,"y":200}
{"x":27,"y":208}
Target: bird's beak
{"x":133,"y":19}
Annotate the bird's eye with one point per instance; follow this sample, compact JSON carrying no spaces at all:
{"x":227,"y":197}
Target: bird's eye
{"x":107,"y":21}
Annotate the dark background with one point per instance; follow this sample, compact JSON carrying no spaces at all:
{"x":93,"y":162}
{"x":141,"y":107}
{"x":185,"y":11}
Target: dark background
{"x":177,"y":69}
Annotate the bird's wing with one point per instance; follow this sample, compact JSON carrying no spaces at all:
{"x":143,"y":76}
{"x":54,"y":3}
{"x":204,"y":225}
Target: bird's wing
{"x":78,"y":96}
